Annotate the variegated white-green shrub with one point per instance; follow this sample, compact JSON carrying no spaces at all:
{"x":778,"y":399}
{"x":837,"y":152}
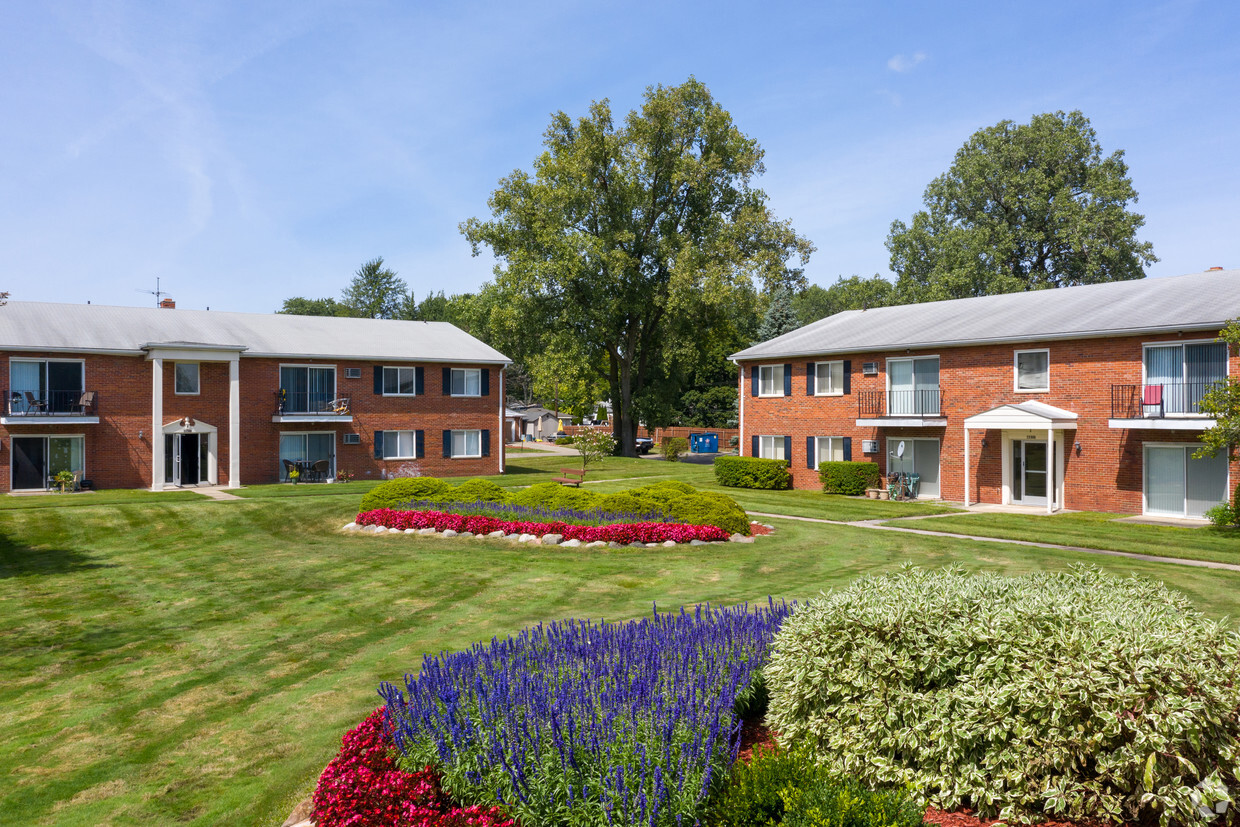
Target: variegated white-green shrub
{"x":1074,"y":694}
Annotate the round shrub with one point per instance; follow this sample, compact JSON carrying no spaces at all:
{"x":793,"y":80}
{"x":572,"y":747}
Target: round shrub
{"x":708,"y":508}
{"x":478,"y":490}
{"x":395,"y":493}
{"x":1073,"y":694}
{"x":751,"y":472}
{"x":553,"y":495}
{"x":629,"y":502}
{"x":664,"y":491}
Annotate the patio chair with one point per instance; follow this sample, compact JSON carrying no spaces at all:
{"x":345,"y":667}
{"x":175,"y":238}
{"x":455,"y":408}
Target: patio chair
{"x":288,"y":467}
{"x":33,"y":404}
{"x":86,"y":403}
{"x":319,"y":470}
{"x":1152,"y":397}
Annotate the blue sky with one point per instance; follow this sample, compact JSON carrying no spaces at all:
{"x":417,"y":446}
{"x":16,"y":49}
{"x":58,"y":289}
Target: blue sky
{"x":248,"y":152}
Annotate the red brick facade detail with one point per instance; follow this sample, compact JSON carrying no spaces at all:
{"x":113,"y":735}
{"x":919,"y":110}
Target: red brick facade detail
{"x":1104,"y":475}
{"x":118,"y":450}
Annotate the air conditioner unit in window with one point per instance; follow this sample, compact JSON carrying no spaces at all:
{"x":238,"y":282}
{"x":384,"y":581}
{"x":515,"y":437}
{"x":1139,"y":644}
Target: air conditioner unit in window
{"x":352,"y":373}
{"x":869,"y":446}
{"x":869,"y":369}
{"x":352,"y":439}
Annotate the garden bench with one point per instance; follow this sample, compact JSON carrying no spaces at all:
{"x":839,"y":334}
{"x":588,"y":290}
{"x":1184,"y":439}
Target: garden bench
{"x":571,"y":477}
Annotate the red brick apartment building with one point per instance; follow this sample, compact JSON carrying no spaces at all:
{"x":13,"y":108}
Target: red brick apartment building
{"x":1081,"y":398}
{"x":131,"y":397}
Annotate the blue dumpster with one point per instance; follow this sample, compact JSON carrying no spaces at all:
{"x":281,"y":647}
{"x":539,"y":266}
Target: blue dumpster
{"x":704,"y":443}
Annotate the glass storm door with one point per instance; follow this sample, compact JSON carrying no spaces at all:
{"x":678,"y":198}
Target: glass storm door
{"x":1029,"y":472}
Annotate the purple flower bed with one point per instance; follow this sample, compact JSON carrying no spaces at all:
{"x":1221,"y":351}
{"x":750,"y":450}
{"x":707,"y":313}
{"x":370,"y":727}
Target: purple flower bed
{"x":589,"y":723}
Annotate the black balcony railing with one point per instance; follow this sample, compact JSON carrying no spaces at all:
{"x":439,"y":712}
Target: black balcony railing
{"x":924,"y":402}
{"x":1158,"y":401}
{"x":50,"y":403}
{"x":311,"y":403}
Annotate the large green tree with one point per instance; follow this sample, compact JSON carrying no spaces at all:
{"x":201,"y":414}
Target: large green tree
{"x":852,"y":293}
{"x":376,"y":292}
{"x":1023,"y":207}
{"x":631,"y":243}
{"x":1223,"y":404}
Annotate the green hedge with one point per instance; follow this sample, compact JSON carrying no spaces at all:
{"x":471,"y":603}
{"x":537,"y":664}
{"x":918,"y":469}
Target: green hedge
{"x":848,"y":477}
{"x":479,"y":490}
{"x":395,"y":493}
{"x":1069,"y":695}
{"x":751,"y":472}
{"x":708,"y":508}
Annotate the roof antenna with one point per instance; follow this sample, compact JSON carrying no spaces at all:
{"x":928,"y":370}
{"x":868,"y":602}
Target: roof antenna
{"x":157,"y":293}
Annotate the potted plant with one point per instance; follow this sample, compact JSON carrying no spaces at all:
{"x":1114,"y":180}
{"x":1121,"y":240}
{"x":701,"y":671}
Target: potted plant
{"x":64,"y":479}
{"x":294,"y":474}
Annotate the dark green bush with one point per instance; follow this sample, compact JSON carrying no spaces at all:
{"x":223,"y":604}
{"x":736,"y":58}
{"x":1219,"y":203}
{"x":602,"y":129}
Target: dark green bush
{"x":553,"y":495}
{"x":848,"y":477}
{"x":709,"y":508}
{"x":673,"y":447}
{"x":629,"y":502}
{"x":751,"y":472}
{"x":478,"y":490}
{"x":782,"y":787}
{"x":395,"y":493}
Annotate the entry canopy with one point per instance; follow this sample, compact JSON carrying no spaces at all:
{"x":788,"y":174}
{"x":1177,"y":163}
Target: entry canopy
{"x":1031,"y":415}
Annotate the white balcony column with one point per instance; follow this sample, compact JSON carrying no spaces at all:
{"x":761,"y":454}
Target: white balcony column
{"x":966,"y":466}
{"x":157,"y":424}
{"x":234,"y":422}
{"x":1050,"y":470}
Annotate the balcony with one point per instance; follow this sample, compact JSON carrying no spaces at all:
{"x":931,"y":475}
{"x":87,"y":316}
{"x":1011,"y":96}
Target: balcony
{"x":904,"y":408}
{"x":1169,"y":406}
{"x":311,"y":406}
{"x":71,"y":407}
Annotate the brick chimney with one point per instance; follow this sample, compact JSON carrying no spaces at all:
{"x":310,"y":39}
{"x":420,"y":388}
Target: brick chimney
{"x":1216,"y":268}
{"x":168,"y":303}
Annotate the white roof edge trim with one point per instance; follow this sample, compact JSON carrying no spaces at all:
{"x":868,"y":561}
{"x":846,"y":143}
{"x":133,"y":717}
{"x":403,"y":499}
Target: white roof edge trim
{"x":27,"y":349}
{"x":738,"y":357}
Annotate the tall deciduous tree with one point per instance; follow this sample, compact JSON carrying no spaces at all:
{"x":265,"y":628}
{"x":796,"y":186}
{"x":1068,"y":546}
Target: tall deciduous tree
{"x":301,"y":306}
{"x":852,"y":293}
{"x":1223,"y":404}
{"x":630,"y":242}
{"x":1023,"y":207}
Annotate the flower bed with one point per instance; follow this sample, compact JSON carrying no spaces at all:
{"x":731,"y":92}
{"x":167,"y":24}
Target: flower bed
{"x":477,"y":524}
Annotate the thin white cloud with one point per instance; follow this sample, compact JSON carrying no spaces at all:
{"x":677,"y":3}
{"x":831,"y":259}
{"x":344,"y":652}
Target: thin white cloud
{"x":902,"y":63}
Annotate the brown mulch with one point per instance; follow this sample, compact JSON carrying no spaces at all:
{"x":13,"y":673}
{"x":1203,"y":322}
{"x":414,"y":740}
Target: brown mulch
{"x":757,"y":529}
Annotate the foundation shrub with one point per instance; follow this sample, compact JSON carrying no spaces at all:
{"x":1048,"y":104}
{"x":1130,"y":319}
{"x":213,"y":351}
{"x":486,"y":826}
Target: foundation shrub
{"x":751,"y":472}
{"x":782,"y":787}
{"x":848,"y":477}
{"x":478,"y":490}
{"x":394,"y":493}
{"x":554,"y":496}
{"x":709,"y":508}
{"x":1070,"y":695}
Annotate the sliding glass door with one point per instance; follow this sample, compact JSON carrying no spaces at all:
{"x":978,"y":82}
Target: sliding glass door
{"x":312,"y":454}
{"x":36,"y":459}
{"x":1177,"y":485}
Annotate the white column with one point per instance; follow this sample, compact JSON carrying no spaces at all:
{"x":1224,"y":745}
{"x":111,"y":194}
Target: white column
{"x":234,"y":423}
{"x":157,"y":424}
{"x":502,"y":433}
{"x":1050,"y":470}
{"x":966,"y":467}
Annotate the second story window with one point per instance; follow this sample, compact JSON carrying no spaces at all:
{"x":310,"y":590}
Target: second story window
{"x":1033,"y":370}
{"x":399,"y":381}
{"x":186,"y":378}
{"x":828,"y":378}
{"x":1183,"y":373}
{"x":307,"y":389}
{"x":771,"y":380}
{"x":40,"y":386}
{"x":914,"y":386}
{"x":466,"y":382}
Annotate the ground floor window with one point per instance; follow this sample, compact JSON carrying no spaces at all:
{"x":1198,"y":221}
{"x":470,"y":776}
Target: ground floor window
{"x":466,"y":444}
{"x":830,"y":449}
{"x":1177,"y":485}
{"x":37,"y":459}
{"x":771,"y":447}
{"x":312,"y":454}
{"x":920,"y":457}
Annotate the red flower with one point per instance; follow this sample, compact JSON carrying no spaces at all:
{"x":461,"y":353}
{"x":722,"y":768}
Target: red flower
{"x":623,"y":533}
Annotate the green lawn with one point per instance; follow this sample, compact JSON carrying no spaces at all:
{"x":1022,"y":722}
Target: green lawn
{"x":80,"y":498}
{"x":172,"y":659}
{"x":1096,"y":530}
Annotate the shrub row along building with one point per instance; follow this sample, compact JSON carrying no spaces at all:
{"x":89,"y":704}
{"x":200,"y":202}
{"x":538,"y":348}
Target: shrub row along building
{"x":129,"y":397}
{"x":1081,"y":398}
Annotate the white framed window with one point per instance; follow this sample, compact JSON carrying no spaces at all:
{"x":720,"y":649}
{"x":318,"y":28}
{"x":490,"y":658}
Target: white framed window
{"x":45,"y":385}
{"x":1182,"y":372}
{"x":830,"y":449}
{"x":186,"y":378}
{"x":400,"y":444}
{"x":913,"y":386}
{"x":466,"y":444}
{"x":771,"y":380}
{"x":828,"y":378}
{"x":771,"y":447}
{"x":400,"y":381}
{"x":1175,"y":484}
{"x":466,"y":382}
{"x":1031,"y":371}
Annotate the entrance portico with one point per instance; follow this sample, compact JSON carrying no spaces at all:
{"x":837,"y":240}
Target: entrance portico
{"x":1032,"y":451}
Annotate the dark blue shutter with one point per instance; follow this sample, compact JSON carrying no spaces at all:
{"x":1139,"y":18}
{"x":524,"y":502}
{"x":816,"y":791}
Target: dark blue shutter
{"x":754,"y":452}
{"x":809,"y":452}
{"x":419,"y":382}
{"x":447,"y":443}
{"x":486,"y":385}
{"x":787,"y":380}
{"x":847,"y":376}
{"x":378,"y":444}
{"x":809,"y":379}
{"x":447,"y":383}
{"x":419,"y":442}
{"x":788,"y":447}
{"x":378,"y":380}
{"x":486,"y":438}
{"x":847,"y":449}
{"x":753,"y":381}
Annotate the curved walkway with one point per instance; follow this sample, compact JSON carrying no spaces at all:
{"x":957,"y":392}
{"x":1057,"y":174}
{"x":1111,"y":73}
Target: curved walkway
{"x":878,"y":525}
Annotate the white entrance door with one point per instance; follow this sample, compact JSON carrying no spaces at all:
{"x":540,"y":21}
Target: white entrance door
{"x":1029,"y":472}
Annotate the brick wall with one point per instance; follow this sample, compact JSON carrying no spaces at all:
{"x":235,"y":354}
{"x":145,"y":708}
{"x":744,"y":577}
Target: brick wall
{"x":1106,"y":475}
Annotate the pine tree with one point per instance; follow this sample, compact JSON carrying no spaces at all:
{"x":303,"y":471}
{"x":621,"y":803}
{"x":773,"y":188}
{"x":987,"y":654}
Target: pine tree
{"x":781,"y":316}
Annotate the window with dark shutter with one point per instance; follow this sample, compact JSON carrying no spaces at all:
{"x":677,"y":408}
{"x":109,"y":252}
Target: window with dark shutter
{"x":378,"y":380}
{"x":447,"y":442}
{"x":379,"y":436}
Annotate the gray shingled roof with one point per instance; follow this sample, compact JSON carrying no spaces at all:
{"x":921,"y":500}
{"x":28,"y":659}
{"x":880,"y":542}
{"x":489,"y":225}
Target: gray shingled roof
{"x":93,"y":327}
{"x":1197,"y":301}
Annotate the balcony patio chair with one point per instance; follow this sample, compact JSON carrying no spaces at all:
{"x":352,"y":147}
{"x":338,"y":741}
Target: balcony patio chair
{"x":33,"y":404}
{"x":1152,"y":397}
{"x":337,"y":406}
{"x":86,"y":403}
